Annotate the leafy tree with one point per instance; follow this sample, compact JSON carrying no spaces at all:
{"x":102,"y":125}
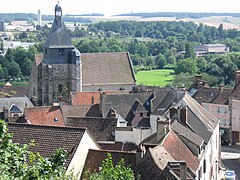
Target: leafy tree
{"x":110,"y":172}
{"x":1,"y":72}
{"x":138,"y":33}
{"x":160,"y":61}
{"x":189,"y":53}
{"x":18,"y":163}
{"x":186,"y":66}
{"x":14,"y":69}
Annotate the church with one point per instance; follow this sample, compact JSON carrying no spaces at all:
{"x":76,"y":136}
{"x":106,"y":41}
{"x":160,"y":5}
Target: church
{"x":62,"y":69}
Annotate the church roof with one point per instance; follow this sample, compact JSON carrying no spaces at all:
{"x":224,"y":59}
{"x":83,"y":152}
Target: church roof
{"x":107,"y":68}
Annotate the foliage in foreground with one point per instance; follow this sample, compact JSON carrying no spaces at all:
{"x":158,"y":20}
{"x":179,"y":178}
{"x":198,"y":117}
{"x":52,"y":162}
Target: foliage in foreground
{"x":110,"y":172}
{"x":17,"y":162}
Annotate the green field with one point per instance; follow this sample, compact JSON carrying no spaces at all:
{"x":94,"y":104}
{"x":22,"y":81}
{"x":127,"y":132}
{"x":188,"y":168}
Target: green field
{"x":155,"y":77}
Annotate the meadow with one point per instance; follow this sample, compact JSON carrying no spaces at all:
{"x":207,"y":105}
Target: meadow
{"x":155,"y":77}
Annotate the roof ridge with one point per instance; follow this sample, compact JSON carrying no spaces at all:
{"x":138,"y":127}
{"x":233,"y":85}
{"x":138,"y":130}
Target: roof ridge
{"x":47,"y":126}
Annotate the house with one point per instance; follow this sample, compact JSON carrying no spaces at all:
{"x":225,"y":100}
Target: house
{"x":45,"y":115}
{"x":76,"y":141}
{"x":185,"y":131}
{"x":102,"y":129}
{"x":222,"y":102}
{"x":62,"y":69}
{"x":158,"y":163}
{"x":12,"y":109}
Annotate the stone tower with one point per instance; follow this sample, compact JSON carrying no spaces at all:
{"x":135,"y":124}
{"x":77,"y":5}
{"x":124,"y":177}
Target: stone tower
{"x":61,"y":69}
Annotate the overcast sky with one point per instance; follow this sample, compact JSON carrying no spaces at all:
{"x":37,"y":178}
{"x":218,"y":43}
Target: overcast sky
{"x":111,"y":7}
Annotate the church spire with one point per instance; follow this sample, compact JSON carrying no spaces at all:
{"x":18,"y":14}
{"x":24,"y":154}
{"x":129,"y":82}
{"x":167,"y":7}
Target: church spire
{"x":58,"y":14}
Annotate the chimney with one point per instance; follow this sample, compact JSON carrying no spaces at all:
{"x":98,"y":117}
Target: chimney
{"x":237,"y":77}
{"x":183,"y":170}
{"x":139,"y":155}
{"x":173,"y":113}
{"x":163,"y":126}
{"x":221,"y":87}
{"x":198,"y":77}
{"x":183,"y":115}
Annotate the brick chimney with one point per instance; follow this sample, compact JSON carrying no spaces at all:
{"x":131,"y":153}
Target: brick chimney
{"x":237,"y":77}
{"x":221,"y":87}
{"x":183,"y":115}
{"x":163,"y":126}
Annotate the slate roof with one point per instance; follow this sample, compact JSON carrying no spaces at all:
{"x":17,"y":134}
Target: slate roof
{"x":20,"y":102}
{"x":85,"y":98}
{"x":95,"y":157}
{"x":117,"y":146}
{"x":80,"y":111}
{"x":122,"y":103}
{"x":42,"y":115}
{"x":48,"y":138}
{"x":144,"y":122}
{"x":213,"y":95}
{"x":107,"y":68}
{"x":164,"y":97}
{"x":199,"y":119}
{"x":179,"y":151}
{"x":101,"y":128}
{"x":58,"y":36}
{"x":186,"y":133}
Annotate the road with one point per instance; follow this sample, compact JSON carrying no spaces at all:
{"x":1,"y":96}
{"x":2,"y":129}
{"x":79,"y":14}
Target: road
{"x":231,"y":158}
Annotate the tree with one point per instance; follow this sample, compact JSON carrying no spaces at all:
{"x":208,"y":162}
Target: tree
{"x":110,"y":172}
{"x":17,"y":162}
{"x":160,"y":61}
{"x":138,"y":33}
{"x":189,"y":53}
{"x":14,"y":69}
{"x":186,"y":66}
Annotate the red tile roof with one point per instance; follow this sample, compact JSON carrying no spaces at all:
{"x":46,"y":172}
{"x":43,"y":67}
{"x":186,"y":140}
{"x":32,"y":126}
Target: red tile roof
{"x":85,"y":98}
{"x":45,"y":116}
{"x":179,"y":151}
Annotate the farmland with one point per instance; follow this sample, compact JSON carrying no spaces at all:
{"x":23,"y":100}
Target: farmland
{"x":155,"y":77}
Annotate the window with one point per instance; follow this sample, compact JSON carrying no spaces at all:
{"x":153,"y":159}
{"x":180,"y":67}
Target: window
{"x":46,"y":51}
{"x":61,"y":52}
{"x":141,"y":114}
{"x":204,"y":166}
{"x":221,"y":110}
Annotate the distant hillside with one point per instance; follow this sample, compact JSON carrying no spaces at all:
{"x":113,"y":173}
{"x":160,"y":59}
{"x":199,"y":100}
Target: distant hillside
{"x":179,"y":15}
{"x":9,"y":17}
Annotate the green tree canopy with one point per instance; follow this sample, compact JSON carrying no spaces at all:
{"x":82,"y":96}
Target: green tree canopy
{"x":110,"y":172}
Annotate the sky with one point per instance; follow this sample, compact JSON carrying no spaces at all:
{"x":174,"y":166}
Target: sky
{"x":113,"y":7}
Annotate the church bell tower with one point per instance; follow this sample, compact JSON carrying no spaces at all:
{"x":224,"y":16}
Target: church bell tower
{"x":61,"y":69}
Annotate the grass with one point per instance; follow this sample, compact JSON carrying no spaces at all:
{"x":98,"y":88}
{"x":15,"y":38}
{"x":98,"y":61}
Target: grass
{"x":155,"y":77}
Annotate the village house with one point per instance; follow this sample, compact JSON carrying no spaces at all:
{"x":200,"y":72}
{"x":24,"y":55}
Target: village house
{"x":76,"y":142}
{"x":223,"y":103}
{"x":188,"y":130}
